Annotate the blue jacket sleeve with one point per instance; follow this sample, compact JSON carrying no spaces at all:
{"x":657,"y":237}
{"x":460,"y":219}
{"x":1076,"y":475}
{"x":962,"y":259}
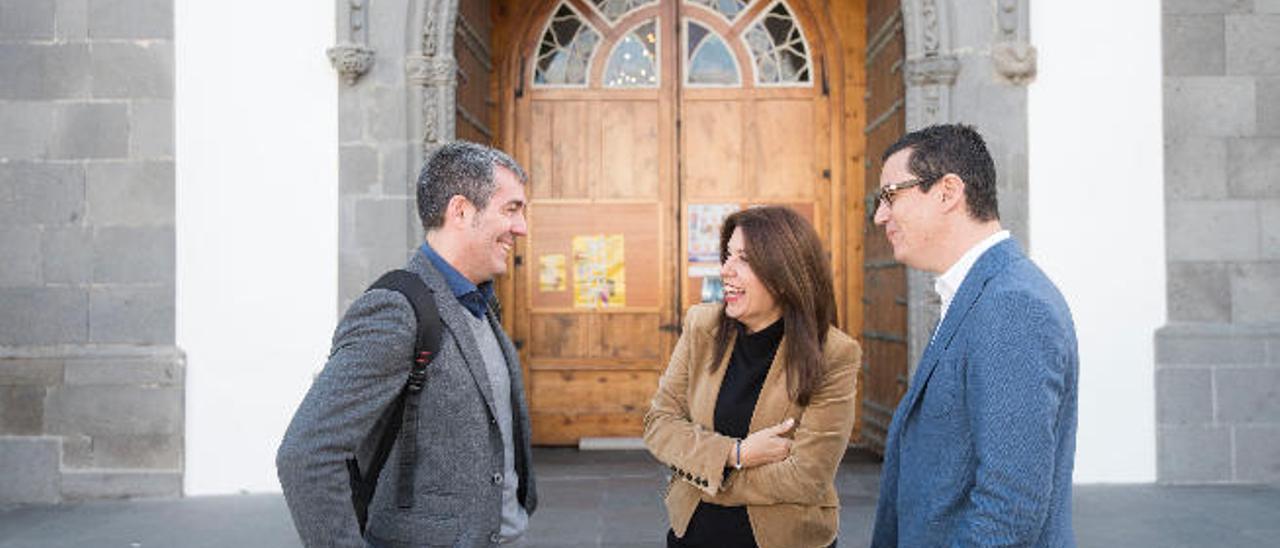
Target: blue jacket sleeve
{"x":1015,"y":384}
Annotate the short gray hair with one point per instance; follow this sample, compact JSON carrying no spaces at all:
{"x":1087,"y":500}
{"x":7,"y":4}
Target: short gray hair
{"x":460,"y":168}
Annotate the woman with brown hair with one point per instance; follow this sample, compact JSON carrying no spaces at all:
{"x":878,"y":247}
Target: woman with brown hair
{"x":755,"y":409}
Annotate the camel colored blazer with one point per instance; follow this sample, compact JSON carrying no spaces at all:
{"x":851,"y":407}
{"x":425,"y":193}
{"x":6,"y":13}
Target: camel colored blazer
{"x":791,"y":503}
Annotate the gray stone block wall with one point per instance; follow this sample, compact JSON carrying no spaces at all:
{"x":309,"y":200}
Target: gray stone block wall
{"x":378,"y":156}
{"x":91,"y":386}
{"x":1218,"y":360}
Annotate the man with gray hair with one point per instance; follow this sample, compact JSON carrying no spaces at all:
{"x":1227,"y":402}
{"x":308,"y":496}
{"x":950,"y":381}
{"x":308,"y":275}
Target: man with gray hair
{"x":472,"y":476}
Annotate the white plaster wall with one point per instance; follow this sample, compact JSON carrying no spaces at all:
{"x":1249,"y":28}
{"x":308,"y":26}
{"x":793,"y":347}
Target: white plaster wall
{"x":257,"y":210}
{"x":1097,"y":214}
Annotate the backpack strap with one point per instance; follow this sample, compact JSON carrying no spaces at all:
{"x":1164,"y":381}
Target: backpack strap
{"x":427,"y":345}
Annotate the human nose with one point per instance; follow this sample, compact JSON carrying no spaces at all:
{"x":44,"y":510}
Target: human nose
{"x":882,"y":212}
{"x":725,"y":270}
{"x":520,"y":227}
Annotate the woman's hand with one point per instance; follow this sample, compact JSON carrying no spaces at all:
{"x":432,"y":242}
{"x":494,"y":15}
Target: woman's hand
{"x":764,"y":446}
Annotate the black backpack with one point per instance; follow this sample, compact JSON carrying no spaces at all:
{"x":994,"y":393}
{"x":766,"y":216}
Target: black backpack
{"x":402,"y":414}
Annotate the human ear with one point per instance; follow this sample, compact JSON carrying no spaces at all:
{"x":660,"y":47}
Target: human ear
{"x":952,"y":191}
{"x":458,"y":208}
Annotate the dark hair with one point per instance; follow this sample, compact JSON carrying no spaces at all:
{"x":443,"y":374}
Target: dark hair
{"x":953,"y":148}
{"x":787,"y":256}
{"x":459,"y":168}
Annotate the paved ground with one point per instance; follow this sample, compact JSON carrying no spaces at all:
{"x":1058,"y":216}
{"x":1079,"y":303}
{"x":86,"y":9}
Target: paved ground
{"x":610,"y":499}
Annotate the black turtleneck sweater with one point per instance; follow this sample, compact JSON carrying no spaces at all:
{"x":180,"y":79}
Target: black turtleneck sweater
{"x":728,"y":526}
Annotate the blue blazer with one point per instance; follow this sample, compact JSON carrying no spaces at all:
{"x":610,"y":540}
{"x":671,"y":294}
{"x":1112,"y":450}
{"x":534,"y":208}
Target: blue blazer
{"x":981,"y":448}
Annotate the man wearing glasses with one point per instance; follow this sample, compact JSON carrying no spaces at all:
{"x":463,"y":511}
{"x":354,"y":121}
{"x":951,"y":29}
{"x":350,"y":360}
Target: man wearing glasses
{"x":981,"y":447}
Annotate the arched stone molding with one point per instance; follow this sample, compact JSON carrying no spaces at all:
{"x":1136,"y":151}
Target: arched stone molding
{"x":431,"y":72}
{"x":930,"y":72}
{"x":968,"y":63}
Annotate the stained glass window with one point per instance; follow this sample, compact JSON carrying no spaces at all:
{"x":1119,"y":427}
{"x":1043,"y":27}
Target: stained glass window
{"x":613,"y":10}
{"x":728,"y":8}
{"x":778,"y":48}
{"x":634,"y":61}
{"x":710,"y":61}
{"x":565,"y":52}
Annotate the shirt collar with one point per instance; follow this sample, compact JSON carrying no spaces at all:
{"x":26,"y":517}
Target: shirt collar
{"x":949,"y":282}
{"x":474,"y":299}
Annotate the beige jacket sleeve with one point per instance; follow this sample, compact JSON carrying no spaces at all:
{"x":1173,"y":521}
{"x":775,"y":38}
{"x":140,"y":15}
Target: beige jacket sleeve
{"x":694,"y":452}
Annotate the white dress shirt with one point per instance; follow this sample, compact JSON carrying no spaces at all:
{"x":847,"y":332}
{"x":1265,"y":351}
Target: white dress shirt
{"x":949,"y":282}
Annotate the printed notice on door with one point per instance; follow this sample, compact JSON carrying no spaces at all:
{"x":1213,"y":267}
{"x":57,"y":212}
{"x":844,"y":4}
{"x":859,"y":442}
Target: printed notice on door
{"x":704,"y":237}
{"x":599,"y":272}
{"x":551,"y":274}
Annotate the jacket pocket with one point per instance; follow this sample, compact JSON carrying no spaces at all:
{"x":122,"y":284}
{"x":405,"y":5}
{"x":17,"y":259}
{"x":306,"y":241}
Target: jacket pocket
{"x":942,"y":391}
{"x":414,"y":529}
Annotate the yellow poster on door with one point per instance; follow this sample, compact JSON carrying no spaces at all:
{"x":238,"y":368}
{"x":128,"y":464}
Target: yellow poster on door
{"x":599,"y":271}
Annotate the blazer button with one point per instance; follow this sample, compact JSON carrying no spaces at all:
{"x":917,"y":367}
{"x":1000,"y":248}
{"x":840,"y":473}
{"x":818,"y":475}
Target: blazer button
{"x":494,"y":538}
{"x":497,"y":478}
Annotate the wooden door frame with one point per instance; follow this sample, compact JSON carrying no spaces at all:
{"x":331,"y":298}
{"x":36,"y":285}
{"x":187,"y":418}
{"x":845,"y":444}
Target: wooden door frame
{"x":838,"y":66}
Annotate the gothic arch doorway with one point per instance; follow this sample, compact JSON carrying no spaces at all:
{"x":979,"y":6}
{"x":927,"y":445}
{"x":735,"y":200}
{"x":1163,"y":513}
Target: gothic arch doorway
{"x":642,"y":123}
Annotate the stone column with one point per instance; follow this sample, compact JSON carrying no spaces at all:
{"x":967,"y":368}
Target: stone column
{"x":91,"y":385}
{"x":969,"y":66}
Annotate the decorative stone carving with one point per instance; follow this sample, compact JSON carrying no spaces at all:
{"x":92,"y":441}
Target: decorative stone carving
{"x":930,"y":71}
{"x":1015,"y":61}
{"x":350,"y":60}
{"x":933,"y":71}
{"x":929,"y":24}
{"x":1007,"y":17}
{"x":432,"y":73}
{"x":1013,"y":55}
{"x":353,"y":57}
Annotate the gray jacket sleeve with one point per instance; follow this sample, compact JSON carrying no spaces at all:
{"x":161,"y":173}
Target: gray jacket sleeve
{"x":367,"y":367}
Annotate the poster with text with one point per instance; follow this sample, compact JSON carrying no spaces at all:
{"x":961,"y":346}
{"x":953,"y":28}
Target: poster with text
{"x":599,"y":271}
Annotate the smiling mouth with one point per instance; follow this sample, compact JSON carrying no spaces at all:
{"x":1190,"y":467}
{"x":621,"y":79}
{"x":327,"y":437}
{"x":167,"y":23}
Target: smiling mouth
{"x":733,"y":292}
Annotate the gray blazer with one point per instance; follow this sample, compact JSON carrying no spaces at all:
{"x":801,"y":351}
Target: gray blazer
{"x":457,"y":501}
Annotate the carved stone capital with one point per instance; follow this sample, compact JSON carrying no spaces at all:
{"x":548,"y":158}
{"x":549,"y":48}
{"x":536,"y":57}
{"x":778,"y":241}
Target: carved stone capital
{"x":1015,"y":61}
{"x":350,"y":60}
{"x":932,"y":71}
{"x":431,"y":71}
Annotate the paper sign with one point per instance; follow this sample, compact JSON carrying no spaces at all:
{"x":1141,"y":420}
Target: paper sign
{"x":551,"y":275}
{"x":704,"y":231}
{"x":599,"y":272}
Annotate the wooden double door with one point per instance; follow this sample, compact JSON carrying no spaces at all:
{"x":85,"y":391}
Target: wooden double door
{"x":642,"y":124}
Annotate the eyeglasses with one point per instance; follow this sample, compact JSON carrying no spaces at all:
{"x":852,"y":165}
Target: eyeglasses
{"x":887,"y":192}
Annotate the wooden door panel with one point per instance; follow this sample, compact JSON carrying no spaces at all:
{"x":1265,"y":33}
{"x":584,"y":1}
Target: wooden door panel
{"x":628,"y":150}
{"x":559,"y":336}
{"x":553,"y":228}
{"x":784,"y":151}
{"x":612,"y":162}
{"x":593,"y":392}
{"x":628,"y":336}
{"x":712,"y":161}
{"x":569,"y":428}
{"x":560,"y":149}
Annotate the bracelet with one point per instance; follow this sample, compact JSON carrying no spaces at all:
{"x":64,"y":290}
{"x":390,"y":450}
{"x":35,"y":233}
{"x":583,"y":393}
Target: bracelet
{"x":737,"y":465}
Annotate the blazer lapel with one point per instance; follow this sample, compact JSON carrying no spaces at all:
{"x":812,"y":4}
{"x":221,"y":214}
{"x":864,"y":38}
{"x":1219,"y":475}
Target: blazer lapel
{"x":451,"y":315}
{"x":988,"y":265}
{"x":702,"y":404}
